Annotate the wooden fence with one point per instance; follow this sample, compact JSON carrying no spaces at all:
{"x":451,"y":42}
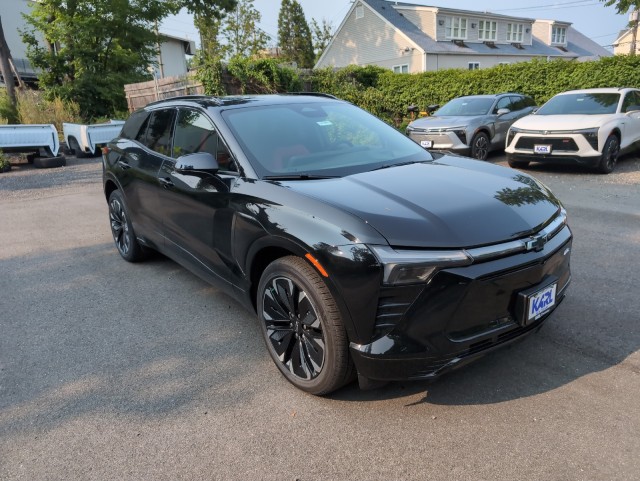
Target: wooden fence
{"x":140,"y":94}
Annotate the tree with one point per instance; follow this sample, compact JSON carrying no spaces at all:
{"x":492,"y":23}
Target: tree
{"x":241,"y":32}
{"x":5,"y":69}
{"x":294,"y":35}
{"x":622,"y":7}
{"x":92,"y":48}
{"x":322,"y":35}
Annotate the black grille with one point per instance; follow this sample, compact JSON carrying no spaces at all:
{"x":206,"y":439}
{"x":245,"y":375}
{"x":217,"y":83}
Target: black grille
{"x":565,"y":144}
{"x":393,"y":303}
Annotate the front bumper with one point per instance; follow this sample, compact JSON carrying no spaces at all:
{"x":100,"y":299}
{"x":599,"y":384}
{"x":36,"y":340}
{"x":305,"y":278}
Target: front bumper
{"x":566,"y":148}
{"x":461,"y":315}
{"x":446,"y":140}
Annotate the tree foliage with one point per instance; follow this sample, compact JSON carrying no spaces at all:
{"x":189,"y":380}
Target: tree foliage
{"x":294,"y":35}
{"x":321,"y":35}
{"x":241,"y":32}
{"x":623,"y":6}
{"x":92,"y":48}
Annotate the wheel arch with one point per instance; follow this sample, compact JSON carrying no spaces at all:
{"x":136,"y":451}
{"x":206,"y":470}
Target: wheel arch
{"x":109,"y":187}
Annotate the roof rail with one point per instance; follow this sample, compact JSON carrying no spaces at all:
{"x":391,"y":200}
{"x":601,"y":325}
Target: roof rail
{"x":211,"y":98}
{"x":314,"y":94}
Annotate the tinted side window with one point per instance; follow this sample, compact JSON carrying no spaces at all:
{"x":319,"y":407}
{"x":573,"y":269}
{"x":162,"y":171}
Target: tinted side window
{"x":520,"y":103}
{"x":159,"y":132}
{"x":631,"y":101}
{"x":132,"y":127}
{"x":503,"y":103}
{"x":196,"y":133}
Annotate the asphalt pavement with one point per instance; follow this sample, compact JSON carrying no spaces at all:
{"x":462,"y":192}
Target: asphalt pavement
{"x":111,"y":370}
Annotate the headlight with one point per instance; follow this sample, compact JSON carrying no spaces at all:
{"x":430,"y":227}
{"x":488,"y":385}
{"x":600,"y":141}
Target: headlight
{"x":511,"y":134}
{"x":461,"y":132}
{"x":414,"y":266}
{"x":591,"y":135}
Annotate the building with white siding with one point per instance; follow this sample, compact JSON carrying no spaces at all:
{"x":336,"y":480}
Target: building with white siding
{"x":409,"y":38}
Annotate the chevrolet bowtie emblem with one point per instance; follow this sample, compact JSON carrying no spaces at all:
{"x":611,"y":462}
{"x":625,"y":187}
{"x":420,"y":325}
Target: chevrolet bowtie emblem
{"x":536,"y":243}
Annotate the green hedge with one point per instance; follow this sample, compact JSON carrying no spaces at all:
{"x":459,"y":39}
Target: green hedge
{"x":387,"y":95}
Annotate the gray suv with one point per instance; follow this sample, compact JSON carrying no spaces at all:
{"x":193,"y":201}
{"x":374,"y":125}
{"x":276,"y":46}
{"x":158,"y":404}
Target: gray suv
{"x":472,"y":125}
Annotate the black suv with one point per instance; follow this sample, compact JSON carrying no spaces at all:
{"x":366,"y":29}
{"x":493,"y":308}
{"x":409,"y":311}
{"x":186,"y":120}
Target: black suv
{"x":359,"y":251}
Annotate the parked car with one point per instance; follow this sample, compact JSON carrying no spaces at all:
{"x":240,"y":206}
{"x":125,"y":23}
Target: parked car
{"x":359,"y":252}
{"x":589,"y":127}
{"x":473,"y":125}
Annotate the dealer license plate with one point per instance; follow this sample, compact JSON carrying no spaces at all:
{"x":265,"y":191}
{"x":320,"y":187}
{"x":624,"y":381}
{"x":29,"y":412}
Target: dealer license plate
{"x":541,"y":149}
{"x":426,"y":144}
{"x":541,"y":302}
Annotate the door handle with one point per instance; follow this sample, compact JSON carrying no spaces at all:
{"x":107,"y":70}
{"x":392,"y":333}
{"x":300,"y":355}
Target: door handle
{"x":123,"y":164}
{"x":166,"y":182}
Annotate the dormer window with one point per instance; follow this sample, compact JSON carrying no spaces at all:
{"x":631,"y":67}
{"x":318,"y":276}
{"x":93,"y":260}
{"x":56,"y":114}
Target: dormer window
{"x":487,"y":30}
{"x":515,"y":32}
{"x":456,"y":28}
{"x":558,"y":35}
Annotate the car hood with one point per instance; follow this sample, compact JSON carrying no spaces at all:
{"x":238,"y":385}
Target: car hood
{"x":443,"y":122}
{"x":561,"y":122}
{"x":449,"y":203}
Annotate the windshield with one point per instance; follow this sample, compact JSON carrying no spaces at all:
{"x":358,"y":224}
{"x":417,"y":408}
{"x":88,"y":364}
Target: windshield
{"x":465,"y":106}
{"x":585,"y":104}
{"x":318,"y":140}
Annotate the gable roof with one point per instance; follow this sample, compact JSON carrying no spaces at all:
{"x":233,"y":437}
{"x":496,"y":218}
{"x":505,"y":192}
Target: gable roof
{"x":578,"y":44}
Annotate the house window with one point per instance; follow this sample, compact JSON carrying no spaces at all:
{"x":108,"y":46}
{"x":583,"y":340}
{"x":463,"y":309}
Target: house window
{"x":359,"y":11}
{"x":559,"y":35}
{"x":487,"y":30}
{"x":514,"y":32}
{"x":401,"y":68}
{"x":456,"y":28}
{"x":474,"y":65}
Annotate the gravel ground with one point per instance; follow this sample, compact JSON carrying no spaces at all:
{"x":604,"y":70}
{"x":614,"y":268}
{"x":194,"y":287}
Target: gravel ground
{"x":26,"y":182}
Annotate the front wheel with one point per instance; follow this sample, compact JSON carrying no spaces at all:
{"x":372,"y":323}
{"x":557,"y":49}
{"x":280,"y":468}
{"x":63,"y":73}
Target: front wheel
{"x":302,"y":327}
{"x":480,"y":146}
{"x":122,"y":231}
{"x":610,"y":154}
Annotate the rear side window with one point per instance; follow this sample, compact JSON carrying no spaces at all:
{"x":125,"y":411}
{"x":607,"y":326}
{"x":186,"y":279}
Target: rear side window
{"x":159,"y":132}
{"x":132,"y":127}
{"x":520,"y":103}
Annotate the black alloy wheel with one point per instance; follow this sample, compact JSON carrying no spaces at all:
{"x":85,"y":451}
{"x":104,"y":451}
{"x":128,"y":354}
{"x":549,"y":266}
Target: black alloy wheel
{"x":610,"y":154}
{"x":123,"y":234}
{"x":302,"y":327}
{"x":480,"y":146}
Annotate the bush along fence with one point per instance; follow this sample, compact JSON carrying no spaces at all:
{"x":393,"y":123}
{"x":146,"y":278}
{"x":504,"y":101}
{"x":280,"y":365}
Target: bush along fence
{"x":387,"y":95}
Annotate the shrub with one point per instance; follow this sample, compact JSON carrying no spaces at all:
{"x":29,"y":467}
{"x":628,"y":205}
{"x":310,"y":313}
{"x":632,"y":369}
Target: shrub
{"x":34,"y":108}
{"x":4,"y":162}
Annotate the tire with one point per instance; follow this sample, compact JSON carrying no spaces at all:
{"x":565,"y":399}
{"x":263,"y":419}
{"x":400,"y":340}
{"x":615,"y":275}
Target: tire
{"x":123,"y":234}
{"x":518,"y":164}
{"x":610,"y":154}
{"x":49,"y":162}
{"x":75,"y":147}
{"x":480,"y":146}
{"x":302,"y":327}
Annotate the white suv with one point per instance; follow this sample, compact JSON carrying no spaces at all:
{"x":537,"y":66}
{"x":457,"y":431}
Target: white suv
{"x":588,"y":127}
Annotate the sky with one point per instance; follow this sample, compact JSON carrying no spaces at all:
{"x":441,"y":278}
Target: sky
{"x":591,"y":17}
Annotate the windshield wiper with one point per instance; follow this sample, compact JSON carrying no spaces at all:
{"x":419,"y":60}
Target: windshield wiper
{"x":409,"y":162}
{"x":299,"y":177}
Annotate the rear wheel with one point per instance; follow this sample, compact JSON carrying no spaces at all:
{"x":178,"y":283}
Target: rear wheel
{"x":480,"y":146}
{"x":123,"y":235}
{"x":610,"y":154}
{"x":302,"y":327}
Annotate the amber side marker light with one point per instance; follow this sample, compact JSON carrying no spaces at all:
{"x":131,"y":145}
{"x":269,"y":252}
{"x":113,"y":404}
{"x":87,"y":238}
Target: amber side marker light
{"x":317,"y":265}
{"x":105,"y":150}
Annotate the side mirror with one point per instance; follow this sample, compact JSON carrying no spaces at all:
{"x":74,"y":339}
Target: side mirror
{"x":502,"y":112}
{"x":198,"y":163}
